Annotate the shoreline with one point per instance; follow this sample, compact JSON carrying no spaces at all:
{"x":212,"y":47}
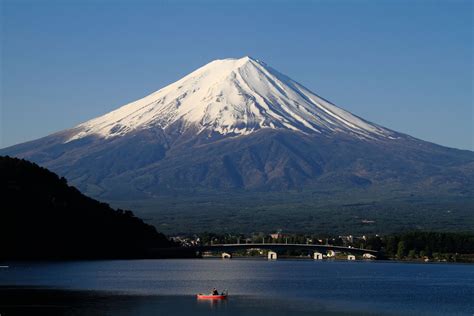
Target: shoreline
{"x":239,"y":258}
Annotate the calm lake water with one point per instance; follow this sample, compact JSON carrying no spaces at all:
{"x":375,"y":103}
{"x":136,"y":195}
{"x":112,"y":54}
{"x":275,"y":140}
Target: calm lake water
{"x":256,"y":287}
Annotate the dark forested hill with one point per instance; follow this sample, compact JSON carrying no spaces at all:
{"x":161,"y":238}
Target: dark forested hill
{"x":42,"y":217}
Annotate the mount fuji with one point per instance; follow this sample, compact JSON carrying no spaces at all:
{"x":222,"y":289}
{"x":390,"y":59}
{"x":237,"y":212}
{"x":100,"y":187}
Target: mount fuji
{"x":240,"y":128}
{"x":231,"y":97}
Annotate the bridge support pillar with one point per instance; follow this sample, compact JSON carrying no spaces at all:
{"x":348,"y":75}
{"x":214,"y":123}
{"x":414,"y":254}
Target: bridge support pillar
{"x":369,"y":256}
{"x":318,"y":256}
{"x":272,"y":255}
{"x":351,"y":257}
{"x":226,"y":255}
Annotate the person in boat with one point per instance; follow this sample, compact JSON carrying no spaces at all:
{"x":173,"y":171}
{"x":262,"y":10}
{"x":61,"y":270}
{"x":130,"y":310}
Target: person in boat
{"x":214,"y":292}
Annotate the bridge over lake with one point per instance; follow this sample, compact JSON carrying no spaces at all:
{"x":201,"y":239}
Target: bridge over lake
{"x":275,"y":248}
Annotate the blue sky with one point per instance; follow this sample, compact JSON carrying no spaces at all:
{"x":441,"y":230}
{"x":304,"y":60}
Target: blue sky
{"x":406,"y":65}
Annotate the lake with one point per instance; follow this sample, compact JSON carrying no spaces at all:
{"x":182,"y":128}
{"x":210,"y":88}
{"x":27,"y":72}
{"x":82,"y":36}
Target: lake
{"x":256,"y":287}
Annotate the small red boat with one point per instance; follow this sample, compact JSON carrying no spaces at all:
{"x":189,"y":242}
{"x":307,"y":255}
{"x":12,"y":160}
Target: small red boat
{"x":216,"y":296}
{"x":211,"y":297}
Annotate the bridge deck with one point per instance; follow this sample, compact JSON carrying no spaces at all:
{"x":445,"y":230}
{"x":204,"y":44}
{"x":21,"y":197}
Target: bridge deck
{"x":280,"y":247}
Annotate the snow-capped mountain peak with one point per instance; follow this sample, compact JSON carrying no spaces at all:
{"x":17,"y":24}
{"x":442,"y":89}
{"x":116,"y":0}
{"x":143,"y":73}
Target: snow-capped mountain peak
{"x":235,"y":97}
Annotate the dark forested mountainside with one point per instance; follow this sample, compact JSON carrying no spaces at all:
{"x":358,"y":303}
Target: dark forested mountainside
{"x":42,"y":217}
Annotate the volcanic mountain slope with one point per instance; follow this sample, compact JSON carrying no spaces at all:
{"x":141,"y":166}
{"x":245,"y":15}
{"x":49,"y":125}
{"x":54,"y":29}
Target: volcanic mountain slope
{"x":238,"y":125}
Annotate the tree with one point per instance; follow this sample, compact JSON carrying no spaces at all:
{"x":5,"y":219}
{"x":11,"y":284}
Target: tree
{"x":401,"y":249}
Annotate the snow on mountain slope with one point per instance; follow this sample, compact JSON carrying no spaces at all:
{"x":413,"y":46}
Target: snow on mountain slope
{"x":235,"y":97}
